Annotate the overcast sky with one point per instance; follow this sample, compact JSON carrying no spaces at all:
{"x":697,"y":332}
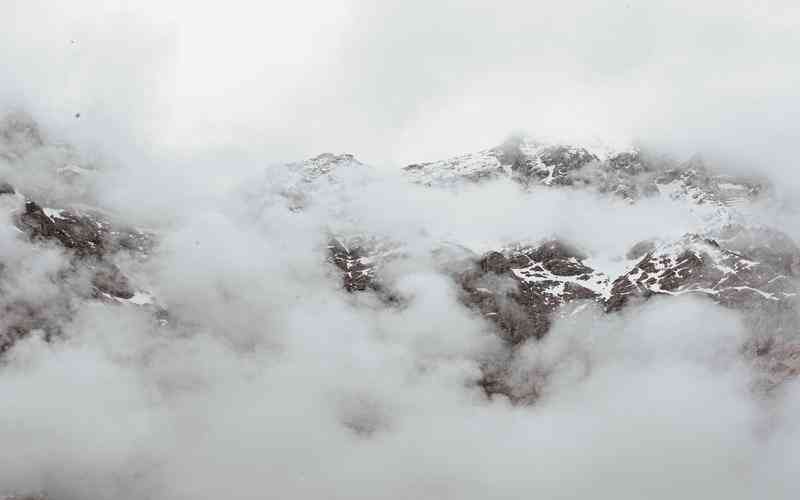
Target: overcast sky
{"x":401,"y":81}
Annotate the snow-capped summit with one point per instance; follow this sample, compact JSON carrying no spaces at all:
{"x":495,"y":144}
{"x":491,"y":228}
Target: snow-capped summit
{"x":628,"y":173}
{"x":519,"y":289}
{"x":324,"y":164}
{"x":519,"y":157}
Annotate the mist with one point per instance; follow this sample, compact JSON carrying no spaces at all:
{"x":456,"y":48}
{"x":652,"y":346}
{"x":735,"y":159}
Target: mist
{"x":269,"y":380}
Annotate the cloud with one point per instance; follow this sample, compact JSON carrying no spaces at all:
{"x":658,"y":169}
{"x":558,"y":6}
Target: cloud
{"x":269,"y":379}
{"x":405,"y":81}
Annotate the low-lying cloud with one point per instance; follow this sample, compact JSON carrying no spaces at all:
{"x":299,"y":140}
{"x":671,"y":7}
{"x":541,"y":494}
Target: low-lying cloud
{"x":269,"y":380}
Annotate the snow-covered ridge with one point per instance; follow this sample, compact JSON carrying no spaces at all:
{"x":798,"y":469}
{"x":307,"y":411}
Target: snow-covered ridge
{"x":324,"y":164}
{"x":624,"y":172}
{"x":520,"y":289}
{"x":693,"y":264}
{"x":520,"y":158}
{"x":698,"y":265}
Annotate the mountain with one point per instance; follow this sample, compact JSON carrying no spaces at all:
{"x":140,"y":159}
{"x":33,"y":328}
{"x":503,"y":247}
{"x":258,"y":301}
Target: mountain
{"x":90,"y":238}
{"x":63,"y":255}
{"x":521,"y":288}
{"x":92,"y":241}
{"x":629,"y":174}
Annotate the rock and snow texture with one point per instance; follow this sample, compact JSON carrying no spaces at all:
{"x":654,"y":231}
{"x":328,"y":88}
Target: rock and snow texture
{"x":514,"y":296}
{"x":523,"y":288}
{"x":694,"y":263}
{"x":89,"y":240}
{"x":701,"y":265}
{"x":542,"y":279}
{"x":92,"y":243}
{"x":629,"y":174}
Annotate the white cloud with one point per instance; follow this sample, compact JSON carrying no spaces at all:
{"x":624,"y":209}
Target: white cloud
{"x":271,"y":381}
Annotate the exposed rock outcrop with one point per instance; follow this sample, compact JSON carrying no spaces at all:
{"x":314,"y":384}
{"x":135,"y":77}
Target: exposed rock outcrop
{"x":90,"y":241}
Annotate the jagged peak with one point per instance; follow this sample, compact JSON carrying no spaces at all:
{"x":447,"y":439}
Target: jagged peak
{"x":324,"y":164}
{"x":531,"y":144}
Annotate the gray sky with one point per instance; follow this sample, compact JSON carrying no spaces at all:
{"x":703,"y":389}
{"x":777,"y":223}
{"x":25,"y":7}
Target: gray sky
{"x":402,"y":81}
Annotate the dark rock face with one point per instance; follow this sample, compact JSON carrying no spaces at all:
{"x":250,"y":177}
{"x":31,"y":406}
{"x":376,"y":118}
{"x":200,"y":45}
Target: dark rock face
{"x":494,"y":262}
{"x":521,"y":289}
{"x":553,"y":165}
{"x":627,"y":175}
{"x":108,"y":280}
{"x":358,"y":272}
{"x":91,"y":241}
{"x":83,"y":233}
{"x":357,"y":260}
{"x":701,"y":266}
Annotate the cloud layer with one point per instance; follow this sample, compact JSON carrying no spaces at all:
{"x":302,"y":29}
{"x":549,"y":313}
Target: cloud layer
{"x":270,"y":380}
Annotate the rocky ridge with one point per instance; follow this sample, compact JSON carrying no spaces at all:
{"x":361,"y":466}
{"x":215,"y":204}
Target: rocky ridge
{"x":520,"y":289}
{"x":523,"y":288}
{"x":629,"y":174}
{"x":89,"y":239}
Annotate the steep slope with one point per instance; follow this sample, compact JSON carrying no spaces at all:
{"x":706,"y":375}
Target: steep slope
{"x":522,"y":289}
{"x":699,"y":265}
{"x":90,"y":243}
{"x":519,"y":289}
{"x":630,"y":174}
